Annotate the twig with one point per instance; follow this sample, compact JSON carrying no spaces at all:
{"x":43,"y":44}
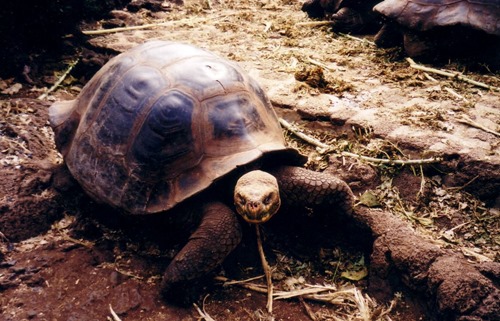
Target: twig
{"x":114,"y":266}
{"x":113,"y":314}
{"x":414,"y":65}
{"x":309,"y":312}
{"x":394,"y":161}
{"x":86,"y":244}
{"x":357,"y":38}
{"x":122,"y":29}
{"x":267,"y":271}
{"x":307,"y":293}
{"x":4,"y":238}
{"x":312,"y":292}
{"x":325,"y":148}
{"x":430,"y":77}
{"x":313,"y":24}
{"x":477,"y":256}
{"x":318,"y":293}
{"x":448,"y":89}
{"x":2,"y":138}
{"x":459,"y":188}
{"x":203,"y":314}
{"x":319,"y":64}
{"x":145,"y":26}
{"x":350,"y":297}
{"x":60,"y":80}
{"x":250,"y":286}
{"x":301,"y":135}
{"x":422,"y":182}
{"x":243,"y":281}
{"x":464,"y":119}
{"x":454,"y":93}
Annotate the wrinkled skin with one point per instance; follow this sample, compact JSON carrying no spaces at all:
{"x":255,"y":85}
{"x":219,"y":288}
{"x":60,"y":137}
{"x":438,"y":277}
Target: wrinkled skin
{"x":352,"y":16}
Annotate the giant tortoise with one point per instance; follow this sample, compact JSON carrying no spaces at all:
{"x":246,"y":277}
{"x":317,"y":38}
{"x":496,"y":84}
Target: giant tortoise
{"x":439,"y":29}
{"x":167,"y":124}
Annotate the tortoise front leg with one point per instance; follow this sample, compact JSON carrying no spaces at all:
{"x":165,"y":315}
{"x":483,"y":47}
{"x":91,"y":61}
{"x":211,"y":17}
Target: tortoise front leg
{"x":217,"y":235}
{"x":306,"y":188}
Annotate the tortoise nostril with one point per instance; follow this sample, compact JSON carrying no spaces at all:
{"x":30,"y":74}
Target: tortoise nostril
{"x":253,"y":205}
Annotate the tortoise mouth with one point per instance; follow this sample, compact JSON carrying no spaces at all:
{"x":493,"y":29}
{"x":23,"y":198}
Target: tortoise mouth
{"x":257,"y":220}
{"x":256,"y":213}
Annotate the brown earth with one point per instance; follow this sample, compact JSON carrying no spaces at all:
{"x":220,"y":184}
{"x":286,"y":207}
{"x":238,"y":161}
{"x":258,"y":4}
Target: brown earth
{"x":427,"y":234}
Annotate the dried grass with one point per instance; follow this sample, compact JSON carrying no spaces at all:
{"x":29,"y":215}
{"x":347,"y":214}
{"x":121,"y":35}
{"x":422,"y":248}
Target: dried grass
{"x":350,"y":303}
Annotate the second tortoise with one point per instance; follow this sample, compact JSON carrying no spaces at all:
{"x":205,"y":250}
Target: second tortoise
{"x":431,"y":30}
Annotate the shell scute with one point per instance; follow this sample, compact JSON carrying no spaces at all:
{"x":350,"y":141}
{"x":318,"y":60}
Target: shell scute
{"x":123,"y":105}
{"x":166,"y":134}
{"x":205,"y":76}
{"x":234,"y":118}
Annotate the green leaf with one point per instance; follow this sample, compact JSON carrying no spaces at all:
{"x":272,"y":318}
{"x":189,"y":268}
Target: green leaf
{"x":369,"y":199}
{"x":355,"y":275}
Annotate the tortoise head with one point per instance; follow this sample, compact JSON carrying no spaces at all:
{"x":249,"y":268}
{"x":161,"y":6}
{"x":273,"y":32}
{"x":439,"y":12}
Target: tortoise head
{"x":256,"y":196}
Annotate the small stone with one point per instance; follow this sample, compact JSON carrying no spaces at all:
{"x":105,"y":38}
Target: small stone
{"x":31,"y":314}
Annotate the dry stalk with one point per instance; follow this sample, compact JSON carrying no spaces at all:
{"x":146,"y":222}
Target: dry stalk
{"x":385,"y":312}
{"x":422,"y":182}
{"x":113,"y":314}
{"x":203,"y":314}
{"x":326,"y":148}
{"x":123,"y":29}
{"x":349,"y":297}
{"x":477,"y":256}
{"x":313,"y":24}
{"x":20,"y":145}
{"x":362,"y":40}
{"x":4,"y":238}
{"x":308,"y":309}
{"x":243,"y":284}
{"x":308,"y":139}
{"x":448,"y":89}
{"x":145,"y":26}
{"x":311,"y":292}
{"x":267,"y":271}
{"x":87,"y":244}
{"x":235,"y":282}
{"x":319,"y":64}
{"x":114,"y":266}
{"x":318,"y":293}
{"x":464,"y":119}
{"x":454,"y":93}
{"x":414,"y":65}
{"x":459,"y":188}
{"x":60,"y":80}
{"x":393,"y":161}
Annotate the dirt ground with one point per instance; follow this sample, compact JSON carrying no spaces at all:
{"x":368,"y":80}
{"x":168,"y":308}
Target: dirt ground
{"x":422,"y":245}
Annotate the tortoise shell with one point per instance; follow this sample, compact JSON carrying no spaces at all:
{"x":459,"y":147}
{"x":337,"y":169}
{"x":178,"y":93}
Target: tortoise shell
{"x":162,"y":122}
{"x":424,"y":15}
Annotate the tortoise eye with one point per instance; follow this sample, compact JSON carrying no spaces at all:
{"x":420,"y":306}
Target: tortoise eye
{"x":268,"y":199}
{"x":240,"y":199}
